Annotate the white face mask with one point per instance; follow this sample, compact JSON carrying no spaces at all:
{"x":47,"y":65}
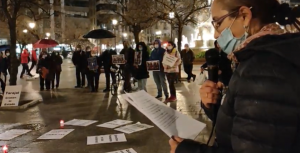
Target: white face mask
{"x":93,"y":54}
{"x":156,"y":45}
{"x":170,"y":47}
{"x":44,"y":56}
{"x":140,"y":48}
{"x":7,"y":54}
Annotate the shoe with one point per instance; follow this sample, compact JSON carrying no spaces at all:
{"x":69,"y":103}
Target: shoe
{"x":106,"y":90}
{"x":171,"y":99}
{"x":188,"y":81}
{"x":194,"y":78}
{"x":158,"y":96}
{"x":77,"y":86}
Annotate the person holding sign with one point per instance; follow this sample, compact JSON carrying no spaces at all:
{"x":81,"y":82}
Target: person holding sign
{"x":141,"y":73}
{"x":93,"y":70}
{"x":43,"y":67}
{"x":171,"y":61}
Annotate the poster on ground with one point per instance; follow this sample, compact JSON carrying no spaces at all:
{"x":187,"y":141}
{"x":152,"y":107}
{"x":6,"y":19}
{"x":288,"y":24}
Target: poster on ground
{"x":10,"y":134}
{"x":11,"y":96}
{"x":111,"y":138}
{"x":56,"y":134}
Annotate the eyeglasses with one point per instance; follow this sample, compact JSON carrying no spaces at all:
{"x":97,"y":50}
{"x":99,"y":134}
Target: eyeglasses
{"x":217,"y":23}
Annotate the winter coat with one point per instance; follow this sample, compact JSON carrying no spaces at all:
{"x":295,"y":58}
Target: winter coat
{"x":129,"y":57}
{"x":57,"y":60}
{"x":174,"y":68}
{"x":188,"y":57}
{"x":106,"y":59}
{"x":260,"y":112}
{"x":33,"y":56}
{"x":158,"y":54}
{"x":89,"y":55}
{"x":79,"y":59}
{"x":49,"y":64}
{"x":141,"y":71}
{"x":24,"y":57}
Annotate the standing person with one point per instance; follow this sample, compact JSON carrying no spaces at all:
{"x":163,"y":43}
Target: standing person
{"x":87,"y":54}
{"x":24,"y":62}
{"x":43,"y":68}
{"x":128,"y":66}
{"x":79,"y":60}
{"x":33,"y":59}
{"x":172,"y":71}
{"x":106,"y":60}
{"x":188,"y":58}
{"x":93,"y":71}
{"x":260,"y":111}
{"x":141,"y":72}
{"x":6,"y":64}
{"x":57,"y":60}
{"x":159,"y":76}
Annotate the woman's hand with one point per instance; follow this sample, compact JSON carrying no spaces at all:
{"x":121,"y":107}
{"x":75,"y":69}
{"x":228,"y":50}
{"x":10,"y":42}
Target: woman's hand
{"x":209,"y":93}
{"x":174,"y":144}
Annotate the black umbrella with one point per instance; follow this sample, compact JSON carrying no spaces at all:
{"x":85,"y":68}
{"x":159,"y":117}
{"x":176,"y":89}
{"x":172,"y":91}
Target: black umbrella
{"x":99,"y":34}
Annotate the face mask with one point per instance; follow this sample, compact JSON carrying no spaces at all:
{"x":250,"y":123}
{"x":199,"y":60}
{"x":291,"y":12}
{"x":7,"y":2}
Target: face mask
{"x":170,"y":47}
{"x":93,"y":54}
{"x":156,"y":46}
{"x":228,"y":42}
{"x":88,"y":50}
{"x":7,"y":54}
{"x":78,"y":49}
{"x":44,"y":56}
{"x":140,"y":48}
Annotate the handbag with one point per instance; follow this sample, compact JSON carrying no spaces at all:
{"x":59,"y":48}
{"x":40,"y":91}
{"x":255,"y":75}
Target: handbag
{"x":200,"y":79}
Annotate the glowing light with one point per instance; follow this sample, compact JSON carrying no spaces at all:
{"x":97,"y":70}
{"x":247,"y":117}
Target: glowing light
{"x":25,"y":30}
{"x":31,"y":25}
{"x":125,"y":34}
{"x":114,"y":22}
{"x":48,"y":34}
{"x":5,"y":149}
{"x":171,"y":15}
{"x":158,"y":32}
{"x":62,"y":123}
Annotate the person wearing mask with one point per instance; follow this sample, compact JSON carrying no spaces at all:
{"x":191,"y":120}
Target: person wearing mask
{"x":79,"y":60}
{"x":24,"y":62}
{"x":106,"y":60}
{"x":141,"y":72}
{"x":6,"y":64}
{"x":260,"y":111}
{"x":172,"y":71}
{"x":159,"y":76}
{"x":43,"y":68}
{"x":57,"y":60}
{"x":94,"y":65}
{"x":33,"y":59}
{"x":128,"y":66}
{"x":188,"y":58}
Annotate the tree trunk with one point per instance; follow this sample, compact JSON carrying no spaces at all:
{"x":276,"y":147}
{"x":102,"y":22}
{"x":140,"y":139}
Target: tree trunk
{"x":136,"y":36}
{"x":14,"y":63}
{"x":179,"y":36}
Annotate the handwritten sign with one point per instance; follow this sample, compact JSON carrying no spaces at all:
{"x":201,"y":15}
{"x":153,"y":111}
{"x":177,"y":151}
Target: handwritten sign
{"x":11,"y":96}
{"x":169,"y":60}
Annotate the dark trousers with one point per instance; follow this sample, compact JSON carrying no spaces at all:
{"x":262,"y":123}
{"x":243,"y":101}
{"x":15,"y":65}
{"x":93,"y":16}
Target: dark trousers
{"x":80,"y":76}
{"x":2,"y":85}
{"x":109,"y":74}
{"x":56,"y":78}
{"x":127,"y":77}
{"x":25,"y":68}
{"x":33,"y":63}
{"x":93,"y":79}
{"x":188,"y":69}
{"x":171,"y":80}
{"x":44,"y":82}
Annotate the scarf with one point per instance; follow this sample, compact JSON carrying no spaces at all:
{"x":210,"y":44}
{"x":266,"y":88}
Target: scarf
{"x":270,"y":29}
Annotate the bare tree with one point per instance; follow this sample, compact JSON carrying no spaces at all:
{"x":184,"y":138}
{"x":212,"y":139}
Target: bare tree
{"x":75,"y":29}
{"x":11,"y":11}
{"x":137,"y":14}
{"x":184,"y":13}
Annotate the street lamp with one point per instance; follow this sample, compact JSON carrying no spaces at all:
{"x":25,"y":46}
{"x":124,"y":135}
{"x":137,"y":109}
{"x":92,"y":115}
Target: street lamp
{"x":25,"y":30}
{"x":125,"y":35}
{"x":171,"y":16}
{"x":115,"y":22}
{"x":48,"y":34}
{"x":31,"y":25}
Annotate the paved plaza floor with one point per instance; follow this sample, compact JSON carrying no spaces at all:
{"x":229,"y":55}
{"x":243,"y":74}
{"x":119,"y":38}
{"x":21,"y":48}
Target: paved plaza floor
{"x":67,"y":103}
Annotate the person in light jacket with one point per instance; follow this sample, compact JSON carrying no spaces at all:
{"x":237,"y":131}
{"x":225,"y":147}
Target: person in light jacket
{"x":172,"y":71}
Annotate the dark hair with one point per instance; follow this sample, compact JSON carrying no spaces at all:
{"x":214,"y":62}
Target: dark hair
{"x":266,"y":11}
{"x":172,"y":43}
{"x":216,"y":44}
{"x":142,"y":44}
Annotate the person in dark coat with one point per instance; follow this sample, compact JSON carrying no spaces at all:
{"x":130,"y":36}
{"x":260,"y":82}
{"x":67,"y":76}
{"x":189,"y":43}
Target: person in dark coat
{"x":188,"y":58}
{"x":6,"y":64}
{"x":87,"y":54}
{"x":128,"y":66}
{"x":57,"y":60}
{"x":159,"y":77}
{"x":79,"y":60}
{"x":260,"y":112}
{"x":141,"y":72}
{"x":106,"y":60}
{"x":94,"y":65}
{"x":45,"y":69}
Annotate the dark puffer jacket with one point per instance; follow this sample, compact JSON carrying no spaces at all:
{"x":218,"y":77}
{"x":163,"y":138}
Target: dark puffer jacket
{"x":261,"y":110}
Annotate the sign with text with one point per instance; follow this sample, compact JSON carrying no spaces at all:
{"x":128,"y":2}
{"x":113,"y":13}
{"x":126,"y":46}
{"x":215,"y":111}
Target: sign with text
{"x":169,"y":60}
{"x":11,"y":96}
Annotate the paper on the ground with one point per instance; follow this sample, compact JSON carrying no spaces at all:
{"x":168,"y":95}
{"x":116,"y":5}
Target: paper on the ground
{"x":128,"y":129}
{"x":77,"y":122}
{"x":130,"y":150}
{"x":56,"y":134}
{"x":111,"y":138}
{"x":10,"y":134}
{"x":115,"y":123}
{"x":170,"y":121}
